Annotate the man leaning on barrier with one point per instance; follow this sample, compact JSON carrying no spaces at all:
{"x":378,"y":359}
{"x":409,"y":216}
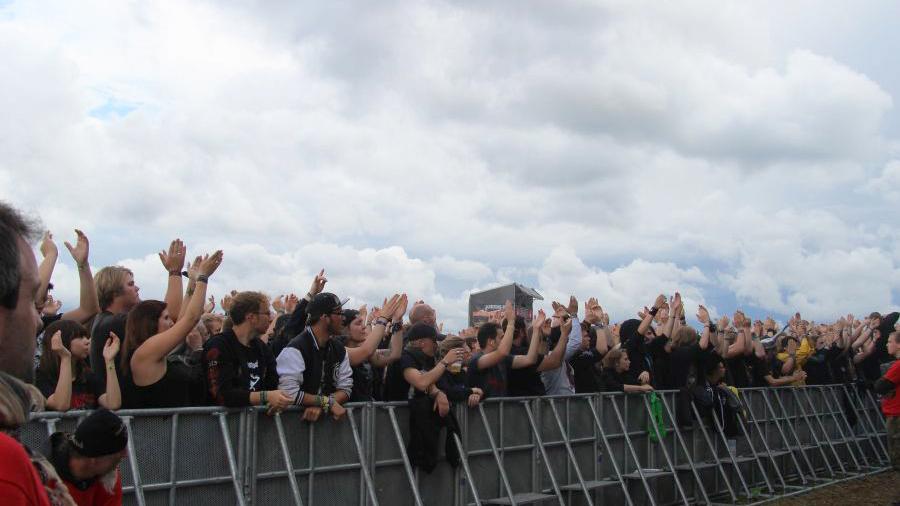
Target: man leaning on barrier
{"x":314,"y":368}
{"x":88,"y":459}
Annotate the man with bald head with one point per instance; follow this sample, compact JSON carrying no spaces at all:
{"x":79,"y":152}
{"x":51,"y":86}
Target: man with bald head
{"x":422,"y":313}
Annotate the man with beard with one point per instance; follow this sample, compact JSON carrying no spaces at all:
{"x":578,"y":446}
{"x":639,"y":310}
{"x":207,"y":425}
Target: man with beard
{"x":87,"y":460}
{"x":240,"y":369}
{"x":314,"y":368}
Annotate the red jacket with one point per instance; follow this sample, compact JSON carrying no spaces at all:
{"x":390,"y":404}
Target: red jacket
{"x":19,"y":481}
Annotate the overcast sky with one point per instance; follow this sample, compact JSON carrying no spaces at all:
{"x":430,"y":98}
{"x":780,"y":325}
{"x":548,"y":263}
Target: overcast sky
{"x":743,"y":153}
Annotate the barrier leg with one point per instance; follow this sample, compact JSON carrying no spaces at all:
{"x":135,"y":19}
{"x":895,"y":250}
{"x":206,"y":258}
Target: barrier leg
{"x":637,"y":462}
{"x":232,"y":463}
{"x":715,"y":453}
{"x":837,"y":423}
{"x":812,"y":428}
{"x":133,"y":463}
{"x":288,"y":462}
{"x":609,"y":452}
{"x":173,"y":458}
{"x":406,"y":465}
{"x":687,"y":453}
{"x":564,"y":433}
{"x":753,"y":452}
{"x":800,"y":444}
{"x":370,"y":487}
{"x":665,"y":452}
{"x":465,"y":463}
{"x":869,"y":427}
{"x":762,"y":437}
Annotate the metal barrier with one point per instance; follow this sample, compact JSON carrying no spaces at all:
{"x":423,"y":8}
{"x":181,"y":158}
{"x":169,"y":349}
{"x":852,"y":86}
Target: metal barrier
{"x":580,"y":449}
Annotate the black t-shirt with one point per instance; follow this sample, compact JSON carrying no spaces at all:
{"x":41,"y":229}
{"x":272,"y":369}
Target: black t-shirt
{"x":838,"y":364}
{"x":455,"y":386}
{"x":613,"y":381}
{"x":526,"y":381}
{"x":759,"y":369}
{"x":683,"y":361}
{"x":362,"y":383}
{"x":586,"y":367}
{"x":85,"y":391}
{"x":870,"y":368}
{"x":233,"y":370}
{"x":816,"y":368}
{"x":104,"y":323}
{"x":396,"y":387}
{"x":492,"y":380}
{"x":737,"y":372}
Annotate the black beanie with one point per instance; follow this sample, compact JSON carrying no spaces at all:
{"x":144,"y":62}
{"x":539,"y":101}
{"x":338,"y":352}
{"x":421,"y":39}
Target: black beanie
{"x":101,"y":433}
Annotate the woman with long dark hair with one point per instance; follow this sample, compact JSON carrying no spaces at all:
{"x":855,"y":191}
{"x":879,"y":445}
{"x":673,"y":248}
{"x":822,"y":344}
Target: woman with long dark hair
{"x":150,"y":335}
{"x":64,"y":375}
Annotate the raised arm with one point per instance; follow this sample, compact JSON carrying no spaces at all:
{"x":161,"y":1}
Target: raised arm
{"x":112,"y":398}
{"x":148,"y":361}
{"x":365,"y":350}
{"x":493,"y":358}
{"x":708,"y":327}
{"x":173,"y":262}
{"x":45,"y":271}
{"x":557,"y":355}
{"x":648,"y":315}
{"x":381,"y":359}
{"x":594,"y":315}
{"x":61,"y":398}
{"x":88,"y":304}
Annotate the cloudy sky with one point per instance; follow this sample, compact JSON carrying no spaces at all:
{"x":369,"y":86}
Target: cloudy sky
{"x":745,"y":154}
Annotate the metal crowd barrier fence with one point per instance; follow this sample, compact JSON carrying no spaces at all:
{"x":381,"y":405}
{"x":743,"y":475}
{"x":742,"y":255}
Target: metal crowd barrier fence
{"x":580,"y":449}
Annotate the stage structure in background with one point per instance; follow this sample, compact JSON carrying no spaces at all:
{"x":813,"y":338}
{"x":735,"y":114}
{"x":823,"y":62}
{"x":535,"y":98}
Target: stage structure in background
{"x":482,"y":304}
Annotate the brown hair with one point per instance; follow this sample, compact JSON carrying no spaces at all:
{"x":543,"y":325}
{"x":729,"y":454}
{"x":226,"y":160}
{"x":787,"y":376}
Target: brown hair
{"x":109,"y":282}
{"x":612,"y":358}
{"x":246,"y":303}
{"x":450,"y":343}
{"x":49,"y":363}
{"x":142,"y":324}
{"x":685,"y":336}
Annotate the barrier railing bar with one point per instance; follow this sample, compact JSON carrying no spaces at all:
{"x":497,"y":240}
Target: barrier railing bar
{"x":133,"y":463}
{"x":406,"y":465}
{"x":731,"y":453}
{"x":812,"y":430}
{"x":609,"y":453}
{"x":173,"y":459}
{"x":370,"y":487}
{"x":687,"y":454}
{"x":837,"y":423}
{"x":759,"y":464}
{"x":850,"y":433}
{"x":503,"y":479}
{"x":665,"y":452}
{"x":540,"y":443}
{"x":871,"y":432}
{"x":465,"y":463}
{"x":288,"y":462}
{"x":637,"y":462}
{"x":713,"y":449}
{"x":574,"y":462}
{"x":232,"y":464}
{"x":875,"y":407}
{"x":310,"y":477}
{"x":196,"y":482}
{"x":745,"y":402}
{"x":793,"y":431}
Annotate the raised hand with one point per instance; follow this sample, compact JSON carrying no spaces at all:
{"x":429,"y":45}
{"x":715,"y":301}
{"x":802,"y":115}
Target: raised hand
{"x":593,"y":313}
{"x":81,"y":249}
{"x":57,"y":346}
{"x":210,"y":305}
{"x":111,"y":348}
{"x":539,"y":318}
{"x":566,"y":326}
{"x":573,"y":306}
{"x":210,"y":263}
{"x":660,"y":301}
{"x":398,"y":313}
{"x":290,"y":303}
{"x":318,"y":283}
{"x":509,"y":312}
{"x":391,"y":306}
{"x":278,"y":304}
{"x":702,"y":315}
{"x":48,"y":247}
{"x":677,"y":304}
{"x":194,"y":268}
{"x":173,"y":260}
{"x":226,"y":303}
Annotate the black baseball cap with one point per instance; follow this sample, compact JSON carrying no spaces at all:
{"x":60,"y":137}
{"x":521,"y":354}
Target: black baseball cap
{"x":325,"y":303}
{"x":101,"y":433}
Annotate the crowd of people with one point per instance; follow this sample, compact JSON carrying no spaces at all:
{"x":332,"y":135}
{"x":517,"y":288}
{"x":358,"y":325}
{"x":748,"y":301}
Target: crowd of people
{"x":117,"y":351}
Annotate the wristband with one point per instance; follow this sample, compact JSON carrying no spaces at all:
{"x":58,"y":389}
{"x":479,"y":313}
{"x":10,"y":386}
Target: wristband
{"x":82,"y":267}
{"x":712,"y":327}
{"x":202,"y":278}
{"x":175,"y":272}
{"x":262,"y":398}
{"x":653,"y":311}
{"x":396,"y":327}
{"x":381,"y":321}
{"x":308,"y":296}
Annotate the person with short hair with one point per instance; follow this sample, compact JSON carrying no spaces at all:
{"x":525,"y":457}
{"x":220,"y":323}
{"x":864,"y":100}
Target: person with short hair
{"x":314,"y":368}
{"x":19,"y":481}
{"x":240,"y":369}
{"x":87,"y":460}
{"x":887,"y":386}
{"x":616,"y":376}
{"x":118,"y":294}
